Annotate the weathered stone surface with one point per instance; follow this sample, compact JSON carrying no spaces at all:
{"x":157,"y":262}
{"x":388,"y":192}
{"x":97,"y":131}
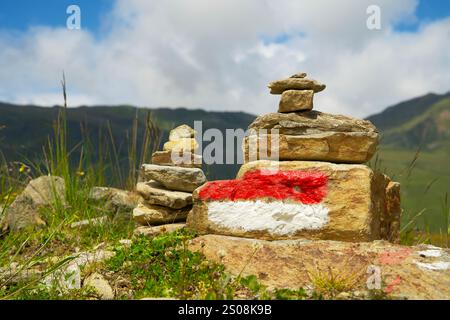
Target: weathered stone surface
{"x":313,"y":122}
{"x":406,"y":272}
{"x":100,"y":285}
{"x":46,"y":190}
{"x":69,"y":277}
{"x":116,"y":200}
{"x":155,"y":193}
{"x":180,"y":159}
{"x":148,"y":215}
{"x":312,"y":136}
{"x":64,"y":279}
{"x":182,"y":145}
{"x":158,"y":230}
{"x":175,"y":178}
{"x":296,"y":100}
{"x":351,"y":208}
{"x":390,"y":223}
{"x":24,"y":211}
{"x":278,"y":87}
{"x":181,"y":132}
{"x":350,"y":147}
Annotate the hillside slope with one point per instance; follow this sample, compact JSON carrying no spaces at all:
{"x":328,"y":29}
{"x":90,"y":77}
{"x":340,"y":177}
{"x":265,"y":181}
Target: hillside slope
{"x":415,"y":150}
{"x":27,"y":128}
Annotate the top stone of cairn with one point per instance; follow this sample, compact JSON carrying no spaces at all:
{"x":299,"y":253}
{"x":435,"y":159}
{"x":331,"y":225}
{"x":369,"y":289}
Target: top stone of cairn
{"x":181,"y":132}
{"x":296,"y":82}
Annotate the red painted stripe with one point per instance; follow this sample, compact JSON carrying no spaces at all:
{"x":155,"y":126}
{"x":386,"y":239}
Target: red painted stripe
{"x":307,"y":187}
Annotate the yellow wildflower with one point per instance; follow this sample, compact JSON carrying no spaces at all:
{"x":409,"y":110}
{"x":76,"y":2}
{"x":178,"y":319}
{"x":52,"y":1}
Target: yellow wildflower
{"x":80,"y":173}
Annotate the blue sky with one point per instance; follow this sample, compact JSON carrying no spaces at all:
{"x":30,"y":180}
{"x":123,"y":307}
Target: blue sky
{"x":22,"y":14}
{"x":427,"y":11}
{"x":221,"y":54}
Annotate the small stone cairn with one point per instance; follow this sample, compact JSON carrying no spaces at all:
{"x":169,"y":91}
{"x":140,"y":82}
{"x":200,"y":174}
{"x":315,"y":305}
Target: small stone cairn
{"x":166,"y":185}
{"x":317,"y":188}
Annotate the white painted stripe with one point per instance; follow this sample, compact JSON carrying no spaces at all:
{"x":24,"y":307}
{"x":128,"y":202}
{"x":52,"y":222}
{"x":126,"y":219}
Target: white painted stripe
{"x":439,"y":265}
{"x":430,"y":253}
{"x":277,"y":218}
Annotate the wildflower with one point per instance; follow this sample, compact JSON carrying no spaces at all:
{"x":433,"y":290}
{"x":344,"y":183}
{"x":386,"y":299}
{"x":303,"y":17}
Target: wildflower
{"x":24,"y":168}
{"x":80,"y":173}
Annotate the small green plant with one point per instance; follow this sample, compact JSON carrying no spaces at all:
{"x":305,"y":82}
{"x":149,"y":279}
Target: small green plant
{"x":163,"y":267}
{"x":330,"y":283}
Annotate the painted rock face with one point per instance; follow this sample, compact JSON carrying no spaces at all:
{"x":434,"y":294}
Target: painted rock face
{"x":313,"y":200}
{"x":285,"y":201}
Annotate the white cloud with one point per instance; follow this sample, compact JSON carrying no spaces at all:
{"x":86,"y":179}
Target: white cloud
{"x":211,"y":54}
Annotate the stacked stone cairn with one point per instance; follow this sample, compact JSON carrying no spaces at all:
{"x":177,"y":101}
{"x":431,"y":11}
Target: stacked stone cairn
{"x":167,"y":184}
{"x":318,"y":188}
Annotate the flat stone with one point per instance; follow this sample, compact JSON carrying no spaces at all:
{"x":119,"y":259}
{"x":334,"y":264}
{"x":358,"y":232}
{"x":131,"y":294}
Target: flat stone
{"x":312,"y":122}
{"x":181,"y":132}
{"x":148,"y":215}
{"x":155,"y":193}
{"x":296,"y":199}
{"x":299,"y":75}
{"x":175,"y":178}
{"x":311,"y":135}
{"x":158,"y":230}
{"x":296,"y":100}
{"x":182,"y":145}
{"x":278,"y":87}
{"x":294,"y":264}
{"x":100,"y":285}
{"x":337,"y":147}
{"x":178,"y":159}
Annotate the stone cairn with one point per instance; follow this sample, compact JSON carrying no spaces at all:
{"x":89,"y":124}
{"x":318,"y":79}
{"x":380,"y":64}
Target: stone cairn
{"x":167,"y":184}
{"x":318,"y":189}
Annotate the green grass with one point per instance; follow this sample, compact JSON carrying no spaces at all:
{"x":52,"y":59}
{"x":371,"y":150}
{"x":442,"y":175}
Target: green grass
{"x":425,"y":184}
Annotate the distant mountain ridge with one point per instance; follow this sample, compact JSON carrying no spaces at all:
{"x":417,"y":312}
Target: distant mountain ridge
{"x":422,"y":122}
{"x":26,"y":128}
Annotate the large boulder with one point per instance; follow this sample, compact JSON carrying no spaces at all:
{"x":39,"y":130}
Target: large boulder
{"x":399,"y":272}
{"x":151,"y":215}
{"x":311,"y":135}
{"x":24,"y":211}
{"x":175,"y":178}
{"x":155,"y":193}
{"x":298,"y":199}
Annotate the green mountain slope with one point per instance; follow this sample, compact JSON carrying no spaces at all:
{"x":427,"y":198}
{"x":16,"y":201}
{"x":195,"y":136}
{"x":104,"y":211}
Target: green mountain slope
{"x":415,"y":150}
{"x":27,"y":128}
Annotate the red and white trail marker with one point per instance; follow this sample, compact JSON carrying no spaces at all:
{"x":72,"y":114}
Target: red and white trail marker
{"x":281,"y":202}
